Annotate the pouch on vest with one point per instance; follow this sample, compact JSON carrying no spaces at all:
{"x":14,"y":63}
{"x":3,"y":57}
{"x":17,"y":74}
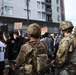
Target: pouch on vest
{"x":40,"y":57}
{"x":41,"y":61}
{"x":28,"y":69}
{"x":37,"y":58}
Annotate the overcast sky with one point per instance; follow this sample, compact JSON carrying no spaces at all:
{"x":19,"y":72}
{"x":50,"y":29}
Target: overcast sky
{"x":70,"y":10}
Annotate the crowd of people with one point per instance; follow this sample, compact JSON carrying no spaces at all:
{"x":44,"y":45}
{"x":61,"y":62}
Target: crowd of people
{"x":12,"y":42}
{"x":34,"y":51}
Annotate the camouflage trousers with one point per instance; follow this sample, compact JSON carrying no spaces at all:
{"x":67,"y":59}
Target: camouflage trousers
{"x":67,"y":70}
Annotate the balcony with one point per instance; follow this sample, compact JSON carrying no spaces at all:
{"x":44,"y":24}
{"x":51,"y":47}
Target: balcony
{"x":49,"y":17}
{"x":48,"y":11}
{"x":48,"y":2}
{"x":49,"y":20}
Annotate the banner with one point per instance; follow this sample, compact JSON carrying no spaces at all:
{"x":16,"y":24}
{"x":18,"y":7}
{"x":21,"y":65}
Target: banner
{"x":18,"y":25}
{"x":43,"y":30}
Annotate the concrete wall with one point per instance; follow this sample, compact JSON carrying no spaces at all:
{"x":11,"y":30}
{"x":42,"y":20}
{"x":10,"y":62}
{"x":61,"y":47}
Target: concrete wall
{"x":19,"y":6}
{"x":54,"y":11}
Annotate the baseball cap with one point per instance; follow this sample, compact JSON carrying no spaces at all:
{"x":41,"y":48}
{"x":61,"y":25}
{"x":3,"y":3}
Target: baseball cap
{"x":25,"y":34}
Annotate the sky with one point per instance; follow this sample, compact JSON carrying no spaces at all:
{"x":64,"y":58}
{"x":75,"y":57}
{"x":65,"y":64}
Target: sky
{"x":70,"y":10}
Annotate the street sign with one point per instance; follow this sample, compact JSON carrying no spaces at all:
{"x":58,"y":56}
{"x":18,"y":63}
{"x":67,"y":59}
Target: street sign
{"x":18,"y":25}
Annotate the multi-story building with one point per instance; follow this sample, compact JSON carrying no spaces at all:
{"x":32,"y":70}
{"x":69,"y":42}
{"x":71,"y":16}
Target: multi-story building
{"x":62,"y":10}
{"x":45,"y":12}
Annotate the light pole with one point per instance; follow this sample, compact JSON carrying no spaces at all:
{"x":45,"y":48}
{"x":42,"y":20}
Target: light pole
{"x":27,"y":12}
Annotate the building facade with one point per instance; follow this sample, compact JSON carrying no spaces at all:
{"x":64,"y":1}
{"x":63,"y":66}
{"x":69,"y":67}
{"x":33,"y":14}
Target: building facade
{"x":44,"y":12}
{"x":62,"y":10}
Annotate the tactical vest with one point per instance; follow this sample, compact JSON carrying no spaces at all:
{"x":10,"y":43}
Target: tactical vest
{"x":37,"y":59}
{"x":65,"y":51}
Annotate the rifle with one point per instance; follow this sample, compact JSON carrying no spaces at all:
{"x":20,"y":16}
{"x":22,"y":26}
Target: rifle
{"x":44,"y":70}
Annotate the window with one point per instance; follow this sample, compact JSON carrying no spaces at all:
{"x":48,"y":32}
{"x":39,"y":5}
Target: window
{"x":43,"y":6}
{"x":49,"y":18}
{"x":57,"y":1}
{"x":49,"y":1}
{"x":8,"y":10}
{"x":39,"y":15}
{"x":29,"y":14}
{"x":10,"y":1}
{"x":43,"y":16}
{"x":25,"y":13}
{"x":57,"y":9}
{"x":58,"y":17}
{"x":29,"y":1}
{"x":38,"y":5}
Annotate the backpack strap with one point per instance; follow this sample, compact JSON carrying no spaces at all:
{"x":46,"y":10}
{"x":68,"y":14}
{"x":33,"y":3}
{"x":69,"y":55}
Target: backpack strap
{"x":43,"y":44}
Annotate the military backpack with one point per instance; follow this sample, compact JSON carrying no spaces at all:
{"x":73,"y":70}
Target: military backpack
{"x":37,"y":58}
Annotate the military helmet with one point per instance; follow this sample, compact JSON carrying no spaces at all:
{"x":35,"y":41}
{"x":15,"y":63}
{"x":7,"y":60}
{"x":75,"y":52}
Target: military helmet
{"x":74,"y":31}
{"x":34,"y":29}
{"x":65,"y":25}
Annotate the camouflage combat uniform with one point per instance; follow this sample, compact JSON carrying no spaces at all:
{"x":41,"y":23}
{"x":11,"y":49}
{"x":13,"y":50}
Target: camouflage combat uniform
{"x":65,"y":51}
{"x":25,"y":57}
{"x":74,"y":37}
{"x":66,"y":47}
{"x":73,"y":58}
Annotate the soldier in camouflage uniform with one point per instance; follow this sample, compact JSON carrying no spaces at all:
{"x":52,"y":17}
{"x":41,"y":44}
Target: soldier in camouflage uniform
{"x":74,"y":54}
{"x":74,"y":37}
{"x":25,"y":59}
{"x":63,"y":63}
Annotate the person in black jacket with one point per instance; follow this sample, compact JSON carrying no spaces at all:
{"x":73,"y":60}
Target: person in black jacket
{"x":10,"y":44}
